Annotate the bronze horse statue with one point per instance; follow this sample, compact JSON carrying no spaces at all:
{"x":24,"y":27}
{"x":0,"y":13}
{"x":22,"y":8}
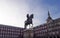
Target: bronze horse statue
{"x":29,"y":20}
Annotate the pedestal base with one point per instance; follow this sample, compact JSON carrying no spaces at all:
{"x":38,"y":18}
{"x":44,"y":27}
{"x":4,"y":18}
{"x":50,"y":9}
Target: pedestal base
{"x":28,"y":33}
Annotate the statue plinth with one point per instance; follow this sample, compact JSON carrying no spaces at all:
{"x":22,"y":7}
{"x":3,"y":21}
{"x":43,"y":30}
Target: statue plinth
{"x":28,"y":33}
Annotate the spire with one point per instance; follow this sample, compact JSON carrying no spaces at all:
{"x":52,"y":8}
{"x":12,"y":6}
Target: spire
{"x":49,"y":19}
{"x":48,"y":14}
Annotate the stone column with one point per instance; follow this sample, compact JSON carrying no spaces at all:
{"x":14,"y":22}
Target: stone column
{"x":52,"y":37}
{"x":55,"y":36}
{"x":48,"y":37}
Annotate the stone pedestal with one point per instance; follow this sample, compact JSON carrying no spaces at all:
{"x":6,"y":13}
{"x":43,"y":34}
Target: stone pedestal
{"x":28,"y":33}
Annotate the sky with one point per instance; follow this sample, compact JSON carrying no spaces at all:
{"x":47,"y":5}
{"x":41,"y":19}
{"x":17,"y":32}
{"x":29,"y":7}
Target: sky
{"x":13,"y":12}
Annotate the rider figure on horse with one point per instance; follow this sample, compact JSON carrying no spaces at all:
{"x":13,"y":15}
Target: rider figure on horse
{"x":29,"y":20}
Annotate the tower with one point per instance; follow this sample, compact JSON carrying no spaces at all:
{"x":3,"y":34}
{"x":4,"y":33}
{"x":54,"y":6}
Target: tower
{"x":49,"y":19}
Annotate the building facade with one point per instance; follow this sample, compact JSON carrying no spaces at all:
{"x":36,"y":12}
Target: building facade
{"x":51,"y":29}
{"x":10,"y":32}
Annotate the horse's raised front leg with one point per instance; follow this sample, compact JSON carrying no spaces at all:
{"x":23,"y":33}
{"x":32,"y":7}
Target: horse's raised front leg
{"x":32,"y":25}
{"x":25,"y":27}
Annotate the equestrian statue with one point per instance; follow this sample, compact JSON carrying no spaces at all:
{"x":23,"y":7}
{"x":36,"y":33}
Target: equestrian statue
{"x":29,"y":20}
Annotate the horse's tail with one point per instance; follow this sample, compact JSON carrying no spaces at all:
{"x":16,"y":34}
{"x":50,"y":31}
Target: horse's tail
{"x":25,"y":25}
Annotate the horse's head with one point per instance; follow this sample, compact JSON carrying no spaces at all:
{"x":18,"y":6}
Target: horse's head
{"x":31,"y":16}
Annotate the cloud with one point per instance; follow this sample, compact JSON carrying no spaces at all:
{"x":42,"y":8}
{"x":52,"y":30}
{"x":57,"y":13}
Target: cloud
{"x":40,"y":12}
{"x":13,"y":12}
